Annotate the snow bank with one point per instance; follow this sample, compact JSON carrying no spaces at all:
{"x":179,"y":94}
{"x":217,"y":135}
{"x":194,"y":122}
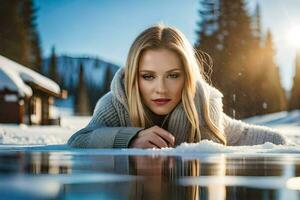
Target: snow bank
{"x":41,"y":135}
{"x":207,"y":146}
{"x":210,"y":147}
{"x":203,"y":147}
{"x":55,"y":137}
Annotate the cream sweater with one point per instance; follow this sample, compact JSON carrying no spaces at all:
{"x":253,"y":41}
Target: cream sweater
{"x":110,"y":125}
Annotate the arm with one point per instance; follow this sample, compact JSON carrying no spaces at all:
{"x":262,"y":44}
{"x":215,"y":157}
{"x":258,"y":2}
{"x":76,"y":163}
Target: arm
{"x":104,"y":129}
{"x":240,"y":133}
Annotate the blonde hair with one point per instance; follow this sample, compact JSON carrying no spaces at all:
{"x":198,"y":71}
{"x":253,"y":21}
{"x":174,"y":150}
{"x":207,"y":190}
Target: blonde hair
{"x":157,"y":37}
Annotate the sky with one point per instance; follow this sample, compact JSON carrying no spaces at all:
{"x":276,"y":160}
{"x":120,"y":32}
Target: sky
{"x":106,"y":28}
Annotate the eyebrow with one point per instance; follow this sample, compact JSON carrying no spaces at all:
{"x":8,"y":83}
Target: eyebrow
{"x":175,"y":69}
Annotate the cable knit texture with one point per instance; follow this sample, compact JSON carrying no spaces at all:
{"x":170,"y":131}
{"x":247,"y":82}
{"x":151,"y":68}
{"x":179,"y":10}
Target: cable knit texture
{"x":110,"y":125}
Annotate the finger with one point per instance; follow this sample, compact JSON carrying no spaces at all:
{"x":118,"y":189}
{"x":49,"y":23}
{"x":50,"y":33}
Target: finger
{"x":157,"y":140}
{"x":150,"y":145}
{"x":168,"y":137}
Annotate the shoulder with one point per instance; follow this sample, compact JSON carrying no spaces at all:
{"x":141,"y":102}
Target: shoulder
{"x":104,"y":109}
{"x":214,"y":93}
{"x":215,"y":99}
{"x":215,"y":105}
{"x":209,"y":94}
{"x":104,"y":103}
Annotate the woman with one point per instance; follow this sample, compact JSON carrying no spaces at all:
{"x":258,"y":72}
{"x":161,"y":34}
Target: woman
{"x":161,"y":99}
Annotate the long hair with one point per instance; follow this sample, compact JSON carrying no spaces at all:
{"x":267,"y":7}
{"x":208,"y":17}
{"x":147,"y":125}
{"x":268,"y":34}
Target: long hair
{"x":157,"y":37}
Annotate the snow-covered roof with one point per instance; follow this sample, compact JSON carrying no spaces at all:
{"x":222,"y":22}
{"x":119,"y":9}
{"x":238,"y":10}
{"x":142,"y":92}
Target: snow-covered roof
{"x":14,"y":76}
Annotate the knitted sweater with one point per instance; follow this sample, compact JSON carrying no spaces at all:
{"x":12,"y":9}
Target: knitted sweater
{"x":110,"y":125}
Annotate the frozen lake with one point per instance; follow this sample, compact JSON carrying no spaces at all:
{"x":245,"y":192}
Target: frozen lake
{"x":41,"y":173}
{"x":35,"y":163}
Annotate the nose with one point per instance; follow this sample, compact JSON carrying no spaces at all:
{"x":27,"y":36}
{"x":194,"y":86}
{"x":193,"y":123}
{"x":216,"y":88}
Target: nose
{"x":160,"y":86}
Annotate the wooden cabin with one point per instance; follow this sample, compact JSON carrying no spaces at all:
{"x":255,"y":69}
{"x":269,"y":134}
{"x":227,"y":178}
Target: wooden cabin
{"x":26,"y":96}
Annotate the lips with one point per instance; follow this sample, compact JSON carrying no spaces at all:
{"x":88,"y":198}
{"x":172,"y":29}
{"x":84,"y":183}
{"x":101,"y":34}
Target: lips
{"x":161,"y":101}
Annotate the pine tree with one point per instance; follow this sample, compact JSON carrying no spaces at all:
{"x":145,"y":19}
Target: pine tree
{"x":94,"y":89}
{"x":206,"y":44}
{"x":257,"y":25}
{"x":29,"y":13}
{"x":108,"y":78}
{"x":37,"y":61}
{"x":19,"y":38}
{"x":12,"y":32}
{"x":32,"y":50}
{"x":271,"y":94}
{"x":255,"y":59}
{"x":81,"y":96}
{"x":294,"y":102}
{"x":235,"y":40}
{"x":53,"y":73}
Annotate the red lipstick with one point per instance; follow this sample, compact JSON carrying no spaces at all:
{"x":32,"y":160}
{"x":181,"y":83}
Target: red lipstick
{"x":161,"y":101}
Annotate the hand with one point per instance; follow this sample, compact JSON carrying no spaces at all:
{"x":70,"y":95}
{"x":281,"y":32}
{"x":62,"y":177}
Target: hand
{"x":154,"y":137}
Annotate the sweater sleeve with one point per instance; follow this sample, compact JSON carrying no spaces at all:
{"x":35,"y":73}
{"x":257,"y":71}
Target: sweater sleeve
{"x":240,"y":133}
{"x":104,"y":129}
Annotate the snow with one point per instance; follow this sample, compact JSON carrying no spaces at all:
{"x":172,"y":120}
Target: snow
{"x":279,"y":118}
{"x":11,"y":81}
{"x":14,"y":77}
{"x":41,"y":135}
{"x":13,"y":137}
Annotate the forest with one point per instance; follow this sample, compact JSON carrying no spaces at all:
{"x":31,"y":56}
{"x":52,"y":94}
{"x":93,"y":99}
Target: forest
{"x":236,"y":55}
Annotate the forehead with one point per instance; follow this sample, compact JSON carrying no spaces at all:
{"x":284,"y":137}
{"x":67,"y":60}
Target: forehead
{"x":159,"y":60}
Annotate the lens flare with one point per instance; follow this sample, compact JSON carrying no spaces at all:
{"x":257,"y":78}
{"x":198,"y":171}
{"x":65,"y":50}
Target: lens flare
{"x":293,"y":37}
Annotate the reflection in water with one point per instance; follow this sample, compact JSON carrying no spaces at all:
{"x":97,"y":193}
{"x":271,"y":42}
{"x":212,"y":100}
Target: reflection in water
{"x":160,"y":177}
{"x":293,"y":183}
{"x":90,"y":175}
{"x":35,"y":163}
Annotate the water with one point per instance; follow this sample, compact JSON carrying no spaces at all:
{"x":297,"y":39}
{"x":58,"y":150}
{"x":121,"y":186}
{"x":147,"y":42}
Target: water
{"x":111,"y":174}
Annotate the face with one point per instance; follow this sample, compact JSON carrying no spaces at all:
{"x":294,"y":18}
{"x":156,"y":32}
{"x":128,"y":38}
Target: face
{"x":161,"y":80}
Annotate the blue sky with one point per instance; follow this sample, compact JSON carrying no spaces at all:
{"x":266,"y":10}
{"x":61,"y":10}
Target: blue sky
{"x":106,"y":28}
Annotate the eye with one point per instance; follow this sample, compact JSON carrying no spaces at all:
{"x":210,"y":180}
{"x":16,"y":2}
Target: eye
{"x":174,"y":75}
{"x":147,"y":77}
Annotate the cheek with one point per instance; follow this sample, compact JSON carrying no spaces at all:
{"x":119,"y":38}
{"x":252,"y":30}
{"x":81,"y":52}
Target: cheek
{"x":178,"y":87}
{"x":144,"y":88}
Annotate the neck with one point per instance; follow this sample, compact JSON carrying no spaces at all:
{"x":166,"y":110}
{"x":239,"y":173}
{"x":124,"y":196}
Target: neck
{"x":151,"y":113}
{"x":155,"y":119}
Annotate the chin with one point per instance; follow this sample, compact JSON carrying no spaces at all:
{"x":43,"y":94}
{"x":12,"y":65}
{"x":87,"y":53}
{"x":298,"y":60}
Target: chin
{"x":161,"y":112}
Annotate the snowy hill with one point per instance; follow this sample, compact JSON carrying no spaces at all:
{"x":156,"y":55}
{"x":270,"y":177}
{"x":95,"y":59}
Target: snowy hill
{"x":68,"y":69}
{"x":98,"y":75}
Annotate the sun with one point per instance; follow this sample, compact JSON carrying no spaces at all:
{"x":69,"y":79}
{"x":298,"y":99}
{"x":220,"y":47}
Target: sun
{"x":293,"y":37}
